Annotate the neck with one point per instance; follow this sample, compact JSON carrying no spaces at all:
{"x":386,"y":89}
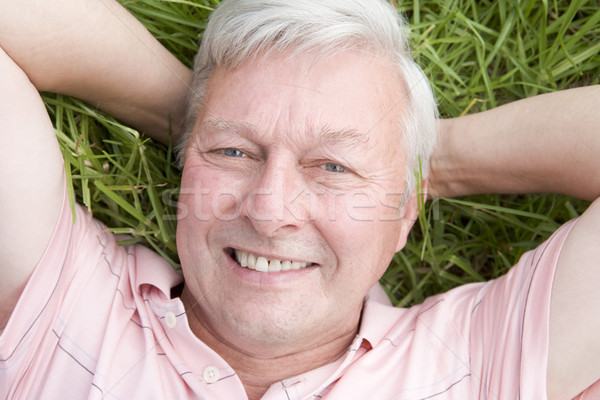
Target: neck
{"x":258,"y":370}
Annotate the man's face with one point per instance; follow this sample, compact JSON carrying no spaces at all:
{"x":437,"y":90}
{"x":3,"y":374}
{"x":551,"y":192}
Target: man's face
{"x":295,"y":165}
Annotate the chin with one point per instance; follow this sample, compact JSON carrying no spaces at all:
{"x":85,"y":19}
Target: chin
{"x":272,"y":328}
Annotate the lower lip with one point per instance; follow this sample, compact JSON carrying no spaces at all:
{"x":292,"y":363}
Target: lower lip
{"x":268,"y":278}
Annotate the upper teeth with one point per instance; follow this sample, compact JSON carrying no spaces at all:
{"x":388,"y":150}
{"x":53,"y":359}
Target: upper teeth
{"x":258,"y":263}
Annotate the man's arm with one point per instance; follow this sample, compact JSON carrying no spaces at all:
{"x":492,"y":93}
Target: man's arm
{"x":31,"y":178}
{"x":549,"y":143}
{"x":87,"y":48}
{"x":95,"y":50}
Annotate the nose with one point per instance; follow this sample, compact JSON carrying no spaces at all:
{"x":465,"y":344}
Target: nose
{"x":279,"y":201}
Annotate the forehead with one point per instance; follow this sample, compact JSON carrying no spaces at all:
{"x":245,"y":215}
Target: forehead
{"x":351,"y":92}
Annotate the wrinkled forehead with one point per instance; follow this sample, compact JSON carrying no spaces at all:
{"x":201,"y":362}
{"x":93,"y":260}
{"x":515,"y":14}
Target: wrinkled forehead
{"x":343,"y":92}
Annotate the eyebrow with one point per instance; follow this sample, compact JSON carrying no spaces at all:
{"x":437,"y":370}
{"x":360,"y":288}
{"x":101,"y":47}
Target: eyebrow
{"x":344,"y":137}
{"x":326,"y":135}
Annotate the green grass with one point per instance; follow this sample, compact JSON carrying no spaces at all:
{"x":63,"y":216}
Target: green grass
{"x":477,"y":54}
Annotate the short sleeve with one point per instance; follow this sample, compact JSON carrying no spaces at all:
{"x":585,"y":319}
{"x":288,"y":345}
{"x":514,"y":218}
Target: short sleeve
{"x":42,"y":284}
{"x":67,"y":265}
{"x":509,"y":330}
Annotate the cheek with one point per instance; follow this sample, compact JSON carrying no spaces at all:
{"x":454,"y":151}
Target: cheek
{"x":359,"y":207}
{"x":363,"y":231}
{"x":207,"y":195}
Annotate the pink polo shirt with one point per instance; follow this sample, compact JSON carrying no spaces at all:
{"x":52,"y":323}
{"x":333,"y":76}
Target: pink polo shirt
{"x":96,"y":321}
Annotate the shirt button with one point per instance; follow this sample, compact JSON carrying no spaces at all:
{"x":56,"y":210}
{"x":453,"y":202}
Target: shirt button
{"x":211,"y":374}
{"x":170,"y":319}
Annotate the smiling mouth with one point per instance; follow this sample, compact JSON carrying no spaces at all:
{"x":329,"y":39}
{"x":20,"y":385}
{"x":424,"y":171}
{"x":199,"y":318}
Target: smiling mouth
{"x":263,"y":264}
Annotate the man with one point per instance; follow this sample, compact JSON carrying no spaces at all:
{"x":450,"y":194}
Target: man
{"x":296,"y":110}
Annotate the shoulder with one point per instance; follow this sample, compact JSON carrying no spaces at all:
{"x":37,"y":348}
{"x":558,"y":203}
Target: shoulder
{"x":575,"y":312}
{"x":478,"y":338}
{"x":81,"y":307}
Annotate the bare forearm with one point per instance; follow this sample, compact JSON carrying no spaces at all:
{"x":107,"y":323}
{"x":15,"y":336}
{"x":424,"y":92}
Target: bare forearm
{"x":548,"y":143}
{"x":95,"y":50}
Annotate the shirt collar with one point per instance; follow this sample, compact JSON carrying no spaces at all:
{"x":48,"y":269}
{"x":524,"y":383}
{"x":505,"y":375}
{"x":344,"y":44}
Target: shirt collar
{"x":152,"y":269}
{"x":378,"y":317}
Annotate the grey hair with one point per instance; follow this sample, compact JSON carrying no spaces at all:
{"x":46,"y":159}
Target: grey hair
{"x":239,"y":30}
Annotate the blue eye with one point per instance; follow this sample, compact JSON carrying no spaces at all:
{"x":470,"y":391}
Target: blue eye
{"x":233,"y":153}
{"x":334,"y":168}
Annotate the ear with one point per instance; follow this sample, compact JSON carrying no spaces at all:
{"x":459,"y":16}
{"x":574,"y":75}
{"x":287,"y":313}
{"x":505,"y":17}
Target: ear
{"x":411,"y":213}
